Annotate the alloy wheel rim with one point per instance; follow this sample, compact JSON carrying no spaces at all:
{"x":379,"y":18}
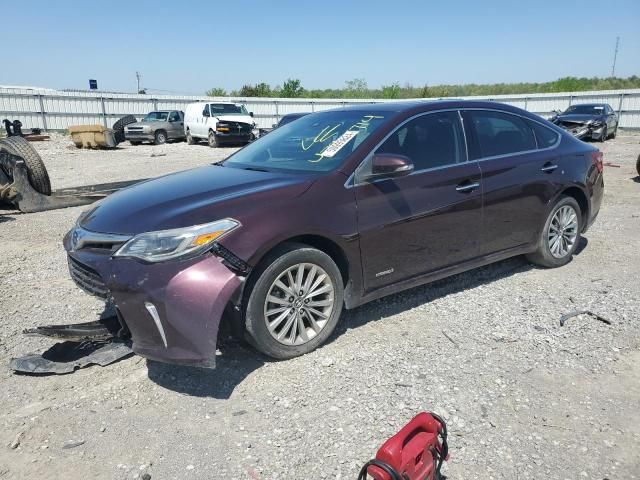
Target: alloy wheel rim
{"x":299,"y":304}
{"x":563,"y":231}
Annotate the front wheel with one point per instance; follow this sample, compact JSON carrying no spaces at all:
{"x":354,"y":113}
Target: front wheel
{"x":560,"y":235}
{"x":605,"y":134}
{"x":160,"y":137}
{"x":212,"y":140}
{"x":295,"y":302}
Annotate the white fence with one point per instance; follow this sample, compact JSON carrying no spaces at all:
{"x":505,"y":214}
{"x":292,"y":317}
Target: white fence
{"x":57,"y":110}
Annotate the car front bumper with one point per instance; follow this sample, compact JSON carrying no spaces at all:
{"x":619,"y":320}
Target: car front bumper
{"x":172,"y":309}
{"x":139,"y":137}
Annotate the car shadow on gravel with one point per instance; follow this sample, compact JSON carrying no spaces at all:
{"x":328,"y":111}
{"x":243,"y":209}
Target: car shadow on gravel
{"x":237,"y":361}
{"x":409,"y":299}
{"x":234,"y":364}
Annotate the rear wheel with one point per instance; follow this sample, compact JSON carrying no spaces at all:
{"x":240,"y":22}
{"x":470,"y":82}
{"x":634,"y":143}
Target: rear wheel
{"x":560,"y":235}
{"x":212,"y":140}
{"x":638,"y":165}
{"x":295,"y":303}
{"x":36,"y":171}
{"x":160,"y":137}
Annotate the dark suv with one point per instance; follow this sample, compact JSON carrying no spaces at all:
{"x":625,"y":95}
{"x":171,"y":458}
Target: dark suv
{"x":333,"y":210}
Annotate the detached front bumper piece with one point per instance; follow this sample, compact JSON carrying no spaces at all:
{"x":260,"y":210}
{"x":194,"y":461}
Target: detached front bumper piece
{"x":171,"y":309}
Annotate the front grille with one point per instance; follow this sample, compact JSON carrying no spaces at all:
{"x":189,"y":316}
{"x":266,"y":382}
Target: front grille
{"x":236,"y":128}
{"x":87,"y":279}
{"x":572,"y":125}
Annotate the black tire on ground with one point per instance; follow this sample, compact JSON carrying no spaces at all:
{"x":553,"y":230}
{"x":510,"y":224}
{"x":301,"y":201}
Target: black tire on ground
{"x":605,"y":134}
{"x":190,"y":139}
{"x":36,"y":171}
{"x":638,"y":165}
{"x":134,"y":142}
{"x":212,"y":140}
{"x":119,"y":136}
{"x":543,"y":256}
{"x":123,"y":122}
{"x":160,"y":137}
{"x":270,"y":269}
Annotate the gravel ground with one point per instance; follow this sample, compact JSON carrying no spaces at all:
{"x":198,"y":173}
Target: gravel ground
{"x":524,"y":397}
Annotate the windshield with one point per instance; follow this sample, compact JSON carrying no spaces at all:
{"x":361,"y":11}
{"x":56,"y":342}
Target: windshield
{"x":318,"y":142}
{"x":156,"y":117}
{"x":227,"y":109}
{"x":586,"y":109}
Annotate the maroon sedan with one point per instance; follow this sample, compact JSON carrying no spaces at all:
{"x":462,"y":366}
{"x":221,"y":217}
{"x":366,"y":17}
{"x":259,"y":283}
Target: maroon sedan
{"x":333,"y":210}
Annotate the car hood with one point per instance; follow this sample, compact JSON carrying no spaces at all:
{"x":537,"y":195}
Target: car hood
{"x":191,"y":197}
{"x":578,"y":118}
{"x":235,"y":118}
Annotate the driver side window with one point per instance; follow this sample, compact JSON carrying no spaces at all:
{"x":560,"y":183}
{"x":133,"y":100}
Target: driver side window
{"x":430,"y":141}
{"x":174,"y":117}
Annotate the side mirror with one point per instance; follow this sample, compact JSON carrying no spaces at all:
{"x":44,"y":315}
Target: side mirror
{"x":251,"y":114}
{"x":388,"y":165}
{"x":205,"y":113}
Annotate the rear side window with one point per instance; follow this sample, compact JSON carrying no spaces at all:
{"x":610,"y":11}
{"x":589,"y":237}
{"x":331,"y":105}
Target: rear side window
{"x":500,"y":133}
{"x":545,"y":137}
{"x":430,"y":141}
{"x":174,"y":117}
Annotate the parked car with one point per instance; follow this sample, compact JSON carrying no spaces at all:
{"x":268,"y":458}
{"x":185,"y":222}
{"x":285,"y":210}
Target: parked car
{"x":219,"y":123}
{"x":333,"y":210}
{"x":288,"y":118}
{"x":157,"y":127}
{"x":595,"y":121}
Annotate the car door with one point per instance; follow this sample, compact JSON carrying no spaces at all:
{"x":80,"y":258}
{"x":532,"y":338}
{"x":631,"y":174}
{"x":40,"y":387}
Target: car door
{"x":427,"y":220}
{"x":612,"y":119}
{"x":176,"y":125}
{"x":518,"y":178}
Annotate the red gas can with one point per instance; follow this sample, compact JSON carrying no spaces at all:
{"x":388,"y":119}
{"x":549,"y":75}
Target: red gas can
{"x":416,"y":452}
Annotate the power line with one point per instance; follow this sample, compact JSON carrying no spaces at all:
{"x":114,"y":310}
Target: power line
{"x":615,"y":57}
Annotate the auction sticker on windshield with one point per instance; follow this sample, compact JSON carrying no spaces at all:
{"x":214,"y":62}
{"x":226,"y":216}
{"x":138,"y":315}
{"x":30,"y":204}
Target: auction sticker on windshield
{"x":335,"y":146}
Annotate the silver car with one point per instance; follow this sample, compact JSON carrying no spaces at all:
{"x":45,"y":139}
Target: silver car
{"x":157,"y":127}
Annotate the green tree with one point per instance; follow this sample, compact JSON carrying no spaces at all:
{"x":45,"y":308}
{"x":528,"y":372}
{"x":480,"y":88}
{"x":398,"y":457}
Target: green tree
{"x":216,"y":92}
{"x":391,"y":91}
{"x":292,"y":88}
{"x":356,"y":88}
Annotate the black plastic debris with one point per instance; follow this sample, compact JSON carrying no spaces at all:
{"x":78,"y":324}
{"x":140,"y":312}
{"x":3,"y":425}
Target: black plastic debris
{"x":66,"y":357}
{"x":575,"y":313}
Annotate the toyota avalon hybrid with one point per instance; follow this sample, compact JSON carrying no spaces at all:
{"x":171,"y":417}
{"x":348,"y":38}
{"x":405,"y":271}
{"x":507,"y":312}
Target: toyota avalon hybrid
{"x":329,"y":212}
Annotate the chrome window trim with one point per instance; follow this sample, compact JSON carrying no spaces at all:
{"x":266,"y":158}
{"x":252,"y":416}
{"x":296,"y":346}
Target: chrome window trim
{"x":350,"y":183}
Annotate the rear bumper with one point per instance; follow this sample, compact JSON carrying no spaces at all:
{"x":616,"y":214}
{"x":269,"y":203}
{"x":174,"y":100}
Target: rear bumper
{"x":173,"y":310}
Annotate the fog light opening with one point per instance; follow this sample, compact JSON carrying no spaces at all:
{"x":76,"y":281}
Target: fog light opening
{"x":153,"y":311}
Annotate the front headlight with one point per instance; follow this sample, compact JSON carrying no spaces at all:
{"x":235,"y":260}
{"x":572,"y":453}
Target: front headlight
{"x":179,"y":242}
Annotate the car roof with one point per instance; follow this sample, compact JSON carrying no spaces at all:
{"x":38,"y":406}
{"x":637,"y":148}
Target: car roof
{"x":589,"y":104}
{"x":427,"y":104}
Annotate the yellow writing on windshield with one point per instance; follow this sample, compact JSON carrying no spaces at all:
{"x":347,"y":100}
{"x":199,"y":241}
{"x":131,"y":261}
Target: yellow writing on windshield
{"x":323,"y":136}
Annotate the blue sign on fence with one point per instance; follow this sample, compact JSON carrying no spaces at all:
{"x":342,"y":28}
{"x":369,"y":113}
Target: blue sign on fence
{"x":93,"y":84}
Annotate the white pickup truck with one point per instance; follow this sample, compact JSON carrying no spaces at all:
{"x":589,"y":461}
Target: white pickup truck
{"x":218,"y":123}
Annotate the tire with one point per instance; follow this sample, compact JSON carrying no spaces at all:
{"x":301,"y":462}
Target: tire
{"x":36,"y":171}
{"x":544,"y":256}
{"x":190,"y":139}
{"x":123,"y":122}
{"x":605,"y":134}
{"x":638,"y":165}
{"x":308,"y":335}
{"x":212,"y":140}
{"x":160,"y":137}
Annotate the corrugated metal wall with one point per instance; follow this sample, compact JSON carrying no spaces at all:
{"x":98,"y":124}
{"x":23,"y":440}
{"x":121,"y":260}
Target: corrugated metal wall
{"x":56,"y":110}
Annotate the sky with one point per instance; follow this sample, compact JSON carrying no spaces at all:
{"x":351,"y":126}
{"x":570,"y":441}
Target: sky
{"x":187,"y":47}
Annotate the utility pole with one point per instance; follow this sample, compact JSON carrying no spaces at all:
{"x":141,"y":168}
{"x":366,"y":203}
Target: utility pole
{"x":615,"y":57}
{"x":138,"y":77}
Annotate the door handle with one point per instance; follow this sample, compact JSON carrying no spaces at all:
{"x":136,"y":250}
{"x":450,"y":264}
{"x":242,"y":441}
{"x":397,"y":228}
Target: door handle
{"x":467,"y":187}
{"x":549,"y":168}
